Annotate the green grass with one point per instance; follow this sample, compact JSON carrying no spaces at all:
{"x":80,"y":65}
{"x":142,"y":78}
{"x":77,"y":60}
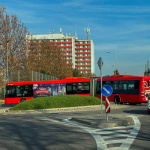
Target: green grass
{"x":57,"y":102}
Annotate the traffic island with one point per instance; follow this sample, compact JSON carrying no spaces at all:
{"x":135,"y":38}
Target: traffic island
{"x":103,"y":123}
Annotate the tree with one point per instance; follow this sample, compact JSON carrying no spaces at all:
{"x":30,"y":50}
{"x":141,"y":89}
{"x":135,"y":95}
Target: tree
{"x":44,"y":55}
{"x":77,"y":73}
{"x":116,"y":72}
{"x":12,"y":43}
{"x":88,"y":75}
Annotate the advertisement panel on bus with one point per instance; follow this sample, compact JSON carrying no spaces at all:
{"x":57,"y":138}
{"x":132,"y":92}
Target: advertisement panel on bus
{"x":43,"y":90}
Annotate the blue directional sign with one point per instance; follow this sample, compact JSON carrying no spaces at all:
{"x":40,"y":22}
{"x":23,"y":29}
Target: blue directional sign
{"x":106,"y":90}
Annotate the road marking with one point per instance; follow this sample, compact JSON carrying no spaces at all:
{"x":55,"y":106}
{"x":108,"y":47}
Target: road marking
{"x":48,"y":119}
{"x":123,"y":135}
{"x":100,"y":144}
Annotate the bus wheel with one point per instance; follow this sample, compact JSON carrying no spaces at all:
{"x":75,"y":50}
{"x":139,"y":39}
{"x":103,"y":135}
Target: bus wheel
{"x":117,"y":100}
{"x":22,"y":100}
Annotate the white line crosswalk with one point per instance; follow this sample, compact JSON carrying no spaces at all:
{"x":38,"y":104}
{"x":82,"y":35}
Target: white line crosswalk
{"x":114,"y":138}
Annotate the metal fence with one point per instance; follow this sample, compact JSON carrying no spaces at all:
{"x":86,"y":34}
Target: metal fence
{"x":17,"y":76}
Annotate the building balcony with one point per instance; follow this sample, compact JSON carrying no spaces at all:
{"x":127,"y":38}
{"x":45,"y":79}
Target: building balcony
{"x":83,"y":44}
{"x":78,"y":61}
{"x":82,"y":52}
{"x":65,"y":42}
{"x":68,"y":59}
{"x":84,"y":69}
{"x":82,"y":56}
{"x":84,"y":48}
{"x":67,"y":51}
{"x":68,"y":55}
{"x":65,"y":46}
{"x":82,"y":65}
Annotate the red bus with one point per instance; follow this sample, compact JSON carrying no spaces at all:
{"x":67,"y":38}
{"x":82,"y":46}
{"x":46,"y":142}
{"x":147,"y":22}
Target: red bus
{"x":17,"y":92}
{"x":126,"y":88}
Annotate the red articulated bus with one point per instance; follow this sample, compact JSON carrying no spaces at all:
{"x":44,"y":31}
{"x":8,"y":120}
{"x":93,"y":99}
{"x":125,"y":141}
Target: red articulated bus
{"x":126,"y":88}
{"x":17,"y":92}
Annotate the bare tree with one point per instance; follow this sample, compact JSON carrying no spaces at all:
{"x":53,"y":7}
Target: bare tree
{"x":12,"y":43}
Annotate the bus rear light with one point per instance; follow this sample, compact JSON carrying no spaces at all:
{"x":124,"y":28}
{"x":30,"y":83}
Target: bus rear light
{"x":142,"y":94}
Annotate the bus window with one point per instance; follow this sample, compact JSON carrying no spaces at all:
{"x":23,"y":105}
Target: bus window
{"x":10,"y":91}
{"x":137,"y":84}
{"x":78,"y":88}
{"x":133,"y":87}
{"x":19,"y":90}
{"x":28,"y":90}
{"x":69,"y":88}
{"x":98,"y":87}
{"x":116,"y":85}
{"x":123,"y":85}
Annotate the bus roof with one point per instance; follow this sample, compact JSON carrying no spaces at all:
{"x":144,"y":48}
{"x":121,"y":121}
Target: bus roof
{"x":67,"y":80}
{"x":122,"y":77}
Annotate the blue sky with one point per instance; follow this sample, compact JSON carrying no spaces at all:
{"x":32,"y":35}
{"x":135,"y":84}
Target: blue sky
{"x":121,"y":27}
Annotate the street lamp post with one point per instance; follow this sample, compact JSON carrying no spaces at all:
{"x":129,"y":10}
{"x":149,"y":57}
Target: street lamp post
{"x":114,"y":60}
{"x":7,"y":61}
{"x":100,"y":64}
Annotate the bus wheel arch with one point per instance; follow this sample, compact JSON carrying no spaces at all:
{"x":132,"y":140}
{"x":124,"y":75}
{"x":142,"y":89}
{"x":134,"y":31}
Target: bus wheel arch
{"x":117,"y":99}
{"x":22,"y":100}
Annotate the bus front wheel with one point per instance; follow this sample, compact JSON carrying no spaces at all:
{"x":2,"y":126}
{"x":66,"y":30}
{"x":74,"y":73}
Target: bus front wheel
{"x":22,"y":100}
{"x":117,"y":100}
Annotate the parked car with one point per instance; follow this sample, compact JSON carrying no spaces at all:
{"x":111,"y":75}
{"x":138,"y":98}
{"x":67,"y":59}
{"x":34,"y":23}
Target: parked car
{"x":148,"y":102}
{"x":148,"y":106}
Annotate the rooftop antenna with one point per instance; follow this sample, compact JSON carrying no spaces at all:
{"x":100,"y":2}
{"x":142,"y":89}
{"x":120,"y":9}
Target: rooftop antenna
{"x":60,"y":30}
{"x":146,"y":72}
{"x":49,"y":31}
{"x":75,"y":34}
{"x":87,"y":33}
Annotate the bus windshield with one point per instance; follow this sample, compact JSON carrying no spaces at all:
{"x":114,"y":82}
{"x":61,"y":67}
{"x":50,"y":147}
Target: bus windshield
{"x":19,"y":91}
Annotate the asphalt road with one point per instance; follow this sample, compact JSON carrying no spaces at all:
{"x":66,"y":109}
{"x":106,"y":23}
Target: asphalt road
{"x":46,"y":130}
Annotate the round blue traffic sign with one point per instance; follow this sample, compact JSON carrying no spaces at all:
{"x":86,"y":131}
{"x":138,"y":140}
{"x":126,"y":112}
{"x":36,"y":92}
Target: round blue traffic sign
{"x":106,"y":90}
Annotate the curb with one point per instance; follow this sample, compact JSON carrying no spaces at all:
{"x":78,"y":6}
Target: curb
{"x":64,"y":109}
{"x":102,"y":123}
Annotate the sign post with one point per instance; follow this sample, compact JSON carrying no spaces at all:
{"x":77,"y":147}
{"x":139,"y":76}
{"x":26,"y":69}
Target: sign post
{"x":107,"y":91}
{"x":100,"y":64}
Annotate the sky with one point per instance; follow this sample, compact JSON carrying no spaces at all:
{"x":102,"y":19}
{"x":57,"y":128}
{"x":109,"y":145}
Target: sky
{"x":120,"y":29}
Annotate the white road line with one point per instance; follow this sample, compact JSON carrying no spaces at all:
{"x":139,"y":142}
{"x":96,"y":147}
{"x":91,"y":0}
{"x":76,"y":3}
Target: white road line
{"x":114,"y":141}
{"x":115,"y":136}
{"x":48,"y":119}
{"x":101,"y":140}
{"x":115,"y":128}
{"x":115,"y":131}
{"x":126,"y":144}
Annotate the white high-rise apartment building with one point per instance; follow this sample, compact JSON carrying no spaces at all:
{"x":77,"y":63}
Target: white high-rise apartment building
{"x":78,"y":52}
